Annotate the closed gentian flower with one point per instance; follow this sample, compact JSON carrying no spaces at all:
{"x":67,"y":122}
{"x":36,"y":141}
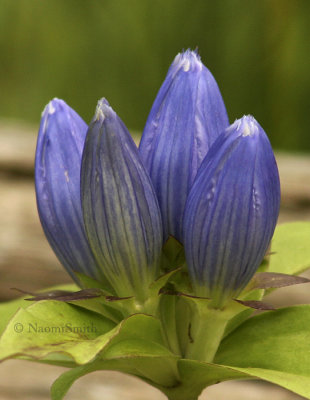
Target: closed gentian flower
{"x":95,"y":199}
{"x":57,"y":178}
{"x":187,"y":116}
{"x":120,"y":208}
{"x":231,"y":212}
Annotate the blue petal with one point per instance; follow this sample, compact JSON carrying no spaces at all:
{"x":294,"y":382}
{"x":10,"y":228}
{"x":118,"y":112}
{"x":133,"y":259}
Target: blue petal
{"x":231,"y":211}
{"x":57,"y":179}
{"x":187,"y":116}
{"x":120,"y":208}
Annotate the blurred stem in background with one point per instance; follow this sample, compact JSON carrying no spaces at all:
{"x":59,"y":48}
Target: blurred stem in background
{"x":258,"y":51}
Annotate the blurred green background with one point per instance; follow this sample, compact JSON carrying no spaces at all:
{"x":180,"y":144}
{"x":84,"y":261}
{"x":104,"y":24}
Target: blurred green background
{"x":81,"y":50}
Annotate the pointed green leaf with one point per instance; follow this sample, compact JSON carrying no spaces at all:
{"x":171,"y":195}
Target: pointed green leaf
{"x":157,"y":366}
{"x":135,"y":350}
{"x":296,"y":383}
{"x":62,"y":384}
{"x":206,"y":373}
{"x":9,"y":308}
{"x":50,"y":326}
{"x":151,"y":360}
{"x":276,"y":341}
{"x":290,"y":250}
{"x":196,"y":375}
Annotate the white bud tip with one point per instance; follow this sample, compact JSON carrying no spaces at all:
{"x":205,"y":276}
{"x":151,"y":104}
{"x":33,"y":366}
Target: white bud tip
{"x":187,"y":60}
{"x":103,"y":110}
{"x":247,"y":126}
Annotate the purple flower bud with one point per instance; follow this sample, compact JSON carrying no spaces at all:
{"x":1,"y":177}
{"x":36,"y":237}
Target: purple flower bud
{"x":57,"y":179}
{"x":120,"y":208}
{"x":187,"y":116}
{"x":231,"y":211}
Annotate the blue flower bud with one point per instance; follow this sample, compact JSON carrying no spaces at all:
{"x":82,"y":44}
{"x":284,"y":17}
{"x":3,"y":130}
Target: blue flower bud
{"x":57,"y":179}
{"x":187,"y":116}
{"x":121,"y":212}
{"x":231,"y":211}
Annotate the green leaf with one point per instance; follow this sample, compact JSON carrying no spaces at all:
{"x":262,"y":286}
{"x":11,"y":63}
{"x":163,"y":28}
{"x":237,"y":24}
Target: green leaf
{"x":62,"y":384}
{"x":135,"y":347}
{"x":274,"y":346}
{"x":49,"y":326}
{"x":150,"y":360}
{"x":141,"y":326}
{"x":296,"y":383}
{"x":196,"y":375}
{"x":9,"y":308}
{"x":206,"y":374}
{"x":290,"y":245}
{"x":152,"y":368}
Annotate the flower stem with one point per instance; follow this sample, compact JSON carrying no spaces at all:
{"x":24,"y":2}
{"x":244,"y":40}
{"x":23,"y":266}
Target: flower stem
{"x":206,"y":330}
{"x":183,"y":392}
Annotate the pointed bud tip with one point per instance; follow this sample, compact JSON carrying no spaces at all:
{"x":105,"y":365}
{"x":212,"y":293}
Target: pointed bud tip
{"x":55,"y":110}
{"x":103,"y":110}
{"x":188,"y":60}
{"x":53,"y":106}
{"x":246,"y":126}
